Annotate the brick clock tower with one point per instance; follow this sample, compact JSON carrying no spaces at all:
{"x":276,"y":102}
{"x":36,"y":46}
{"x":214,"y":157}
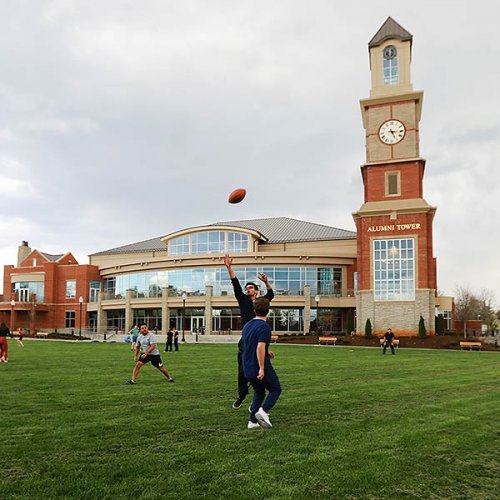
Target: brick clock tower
{"x":396,"y":282}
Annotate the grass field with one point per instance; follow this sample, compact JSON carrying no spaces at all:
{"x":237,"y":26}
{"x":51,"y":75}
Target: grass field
{"x":350,"y":424}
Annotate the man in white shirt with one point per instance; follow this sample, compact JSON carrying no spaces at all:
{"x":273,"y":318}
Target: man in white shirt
{"x":150,"y":353}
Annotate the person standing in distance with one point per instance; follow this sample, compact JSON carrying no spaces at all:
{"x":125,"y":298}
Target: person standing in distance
{"x":176,"y":339}
{"x":246,"y":303}
{"x":4,"y":346}
{"x":170,"y":337}
{"x":257,"y":366}
{"x":388,"y":341}
{"x":147,"y":341}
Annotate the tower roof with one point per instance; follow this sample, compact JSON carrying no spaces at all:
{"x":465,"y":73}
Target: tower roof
{"x":390,"y":29}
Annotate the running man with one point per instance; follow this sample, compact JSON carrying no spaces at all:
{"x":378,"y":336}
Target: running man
{"x":147,"y":341}
{"x":257,"y":366}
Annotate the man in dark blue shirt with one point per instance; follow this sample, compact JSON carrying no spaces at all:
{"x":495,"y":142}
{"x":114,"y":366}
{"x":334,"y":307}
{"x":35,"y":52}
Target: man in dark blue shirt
{"x":256,"y":360}
{"x":245,"y":301}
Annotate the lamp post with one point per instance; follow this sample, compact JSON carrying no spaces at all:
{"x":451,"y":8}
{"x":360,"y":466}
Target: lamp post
{"x":12,"y":304}
{"x":184,"y":297}
{"x":80,"y":301}
{"x":317,"y":299}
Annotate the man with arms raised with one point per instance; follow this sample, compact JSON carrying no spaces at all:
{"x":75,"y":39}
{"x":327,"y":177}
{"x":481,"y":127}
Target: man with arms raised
{"x":257,"y":366}
{"x":245,"y":301}
{"x":150,"y":353}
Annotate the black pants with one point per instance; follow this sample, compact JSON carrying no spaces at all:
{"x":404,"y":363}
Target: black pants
{"x":390,"y":345}
{"x":176,"y":345}
{"x":169,"y":346}
{"x":242,"y":381}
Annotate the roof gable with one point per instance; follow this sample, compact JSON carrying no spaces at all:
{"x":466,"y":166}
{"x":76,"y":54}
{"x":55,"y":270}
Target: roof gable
{"x":390,"y":29}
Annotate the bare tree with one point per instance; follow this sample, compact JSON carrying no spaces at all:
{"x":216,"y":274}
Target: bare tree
{"x":466,"y":305}
{"x":486,"y":310}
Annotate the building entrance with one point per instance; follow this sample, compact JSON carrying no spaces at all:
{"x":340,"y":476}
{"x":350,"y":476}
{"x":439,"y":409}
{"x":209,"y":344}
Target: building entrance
{"x":198,"y":324}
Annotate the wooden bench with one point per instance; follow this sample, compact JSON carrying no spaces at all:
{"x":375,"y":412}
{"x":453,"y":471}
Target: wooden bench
{"x":274,"y":338}
{"x":395,"y":342}
{"x":470,"y":345}
{"x":41,"y":335}
{"x":327,"y":340}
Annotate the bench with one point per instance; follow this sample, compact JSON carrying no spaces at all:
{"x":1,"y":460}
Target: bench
{"x":41,"y":335}
{"x":327,"y":340}
{"x":470,"y":345}
{"x":274,"y":338}
{"x":395,"y":342}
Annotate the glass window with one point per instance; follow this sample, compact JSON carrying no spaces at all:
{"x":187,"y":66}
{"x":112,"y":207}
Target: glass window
{"x":237,"y":242}
{"x":179,"y":246}
{"x":390,"y":66}
{"x":284,"y":280}
{"x":26,"y":291}
{"x":69,"y":319}
{"x":115,"y":320}
{"x":394,"y":276}
{"x":70,"y":289}
{"x":95,"y":288}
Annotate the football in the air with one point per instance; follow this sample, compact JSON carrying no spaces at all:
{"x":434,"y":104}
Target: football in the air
{"x":237,"y":195}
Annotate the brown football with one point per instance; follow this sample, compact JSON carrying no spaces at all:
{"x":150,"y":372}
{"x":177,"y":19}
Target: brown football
{"x":237,"y":195}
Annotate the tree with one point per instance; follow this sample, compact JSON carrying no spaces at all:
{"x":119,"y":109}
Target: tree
{"x":440,"y":324}
{"x":368,"y":329}
{"x":422,"y":332}
{"x":471,"y":306}
{"x":466,"y":306}
{"x":487,"y":314}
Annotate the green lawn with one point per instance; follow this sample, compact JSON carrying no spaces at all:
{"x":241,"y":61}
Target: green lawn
{"x":350,"y":424}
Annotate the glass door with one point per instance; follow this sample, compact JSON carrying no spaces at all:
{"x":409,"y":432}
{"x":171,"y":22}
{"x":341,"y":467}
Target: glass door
{"x":198,"y":324}
{"x":24,"y":295}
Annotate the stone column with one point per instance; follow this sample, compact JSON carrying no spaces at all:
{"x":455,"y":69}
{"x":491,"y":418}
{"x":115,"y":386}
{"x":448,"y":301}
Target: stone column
{"x":165,"y":311}
{"x":129,"y":316}
{"x":209,"y":290}
{"x":101,"y":316}
{"x":307,"y":308}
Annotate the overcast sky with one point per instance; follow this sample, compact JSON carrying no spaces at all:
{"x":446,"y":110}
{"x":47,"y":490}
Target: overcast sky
{"x":122,"y":121}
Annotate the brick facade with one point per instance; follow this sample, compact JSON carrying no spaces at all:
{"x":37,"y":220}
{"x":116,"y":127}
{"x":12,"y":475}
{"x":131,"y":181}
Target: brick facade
{"x":51,"y":313}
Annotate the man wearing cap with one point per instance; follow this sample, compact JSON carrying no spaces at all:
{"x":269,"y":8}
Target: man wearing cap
{"x":246,"y":301}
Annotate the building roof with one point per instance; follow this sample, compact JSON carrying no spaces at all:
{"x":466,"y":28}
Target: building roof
{"x":390,"y":29}
{"x":141,"y":246}
{"x":52,"y":258}
{"x":285,"y":229}
{"x":274,"y":229}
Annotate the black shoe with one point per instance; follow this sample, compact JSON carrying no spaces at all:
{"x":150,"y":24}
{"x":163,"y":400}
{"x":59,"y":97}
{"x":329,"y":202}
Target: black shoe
{"x":237,"y":404}
{"x":129,"y":382}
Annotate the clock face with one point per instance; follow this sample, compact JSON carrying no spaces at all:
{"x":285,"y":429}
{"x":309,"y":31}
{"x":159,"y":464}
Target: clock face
{"x":391,"y":132}
{"x":390,"y":52}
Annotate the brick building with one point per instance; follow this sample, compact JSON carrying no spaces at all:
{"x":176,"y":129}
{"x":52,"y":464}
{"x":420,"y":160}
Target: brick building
{"x":47,"y":292}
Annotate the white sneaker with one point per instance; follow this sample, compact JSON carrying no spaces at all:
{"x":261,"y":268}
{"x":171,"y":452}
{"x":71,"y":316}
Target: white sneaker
{"x":263,"y":419}
{"x":253,"y":425}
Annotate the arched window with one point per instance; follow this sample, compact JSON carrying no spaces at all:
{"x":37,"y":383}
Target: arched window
{"x":391,"y":75}
{"x":204,"y":242}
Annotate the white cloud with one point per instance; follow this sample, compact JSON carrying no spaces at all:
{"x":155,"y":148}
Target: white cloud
{"x":129,"y":123}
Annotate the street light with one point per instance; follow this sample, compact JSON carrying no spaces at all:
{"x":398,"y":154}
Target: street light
{"x":184,"y":297}
{"x":80,"y":301}
{"x":12,"y":304}
{"x":317,"y":299}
